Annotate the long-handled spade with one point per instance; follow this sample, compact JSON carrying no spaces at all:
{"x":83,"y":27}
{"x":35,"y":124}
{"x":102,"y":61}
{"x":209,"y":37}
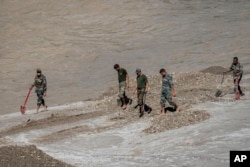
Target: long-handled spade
{"x":23,"y":108}
{"x":219,"y":92}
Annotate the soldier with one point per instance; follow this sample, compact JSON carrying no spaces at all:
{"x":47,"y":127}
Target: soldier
{"x":141,"y":88}
{"x":237,"y":69}
{"x":167,"y":91}
{"x":123,"y":79}
{"x":41,"y":87}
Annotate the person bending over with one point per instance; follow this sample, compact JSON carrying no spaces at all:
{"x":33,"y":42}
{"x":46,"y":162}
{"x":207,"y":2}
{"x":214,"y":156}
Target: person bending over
{"x":237,"y":69}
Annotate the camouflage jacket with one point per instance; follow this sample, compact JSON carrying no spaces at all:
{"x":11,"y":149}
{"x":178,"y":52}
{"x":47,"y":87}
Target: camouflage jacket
{"x":167,"y":83}
{"x":40,"y":83}
{"x":237,"y":69}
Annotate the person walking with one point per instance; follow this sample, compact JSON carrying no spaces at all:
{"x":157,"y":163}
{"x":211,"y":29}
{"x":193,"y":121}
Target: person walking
{"x":141,"y":88}
{"x":167,"y":91}
{"x":41,"y":87}
{"x":237,"y":69}
{"x":123,"y":79}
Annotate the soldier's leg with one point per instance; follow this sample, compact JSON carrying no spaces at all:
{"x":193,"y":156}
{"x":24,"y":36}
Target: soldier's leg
{"x":43,"y":103}
{"x":140,"y":101}
{"x":163,"y":103}
{"x":122,"y":87}
{"x":241,"y":93}
{"x":128,"y":100}
{"x":172,"y":103}
{"x":40,"y":99}
{"x":120,"y":94}
{"x":234,"y":85}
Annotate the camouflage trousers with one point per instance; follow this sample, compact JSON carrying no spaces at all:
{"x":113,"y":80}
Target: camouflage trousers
{"x":140,"y":95}
{"x":122,"y":89}
{"x":166,"y":97}
{"x":40,"y":99}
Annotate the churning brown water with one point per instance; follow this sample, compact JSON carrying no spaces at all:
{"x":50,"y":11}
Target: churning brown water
{"x":76,"y":42}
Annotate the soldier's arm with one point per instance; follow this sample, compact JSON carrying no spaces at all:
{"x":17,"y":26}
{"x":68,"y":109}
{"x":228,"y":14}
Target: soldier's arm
{"x":135,"y":88}
{"x":241,"y":70}
{"x":127,"y":80}
{"x":230,"y":69}
{"x":173,"y":91}
{"x":45,"y":84}
{"x":31,"y":87}
{"x":172,"y":87}
{"x":147,"y":85}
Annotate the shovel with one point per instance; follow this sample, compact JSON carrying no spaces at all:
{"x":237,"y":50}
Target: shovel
{"x":219,"y":92}
{"x":23,"y":108}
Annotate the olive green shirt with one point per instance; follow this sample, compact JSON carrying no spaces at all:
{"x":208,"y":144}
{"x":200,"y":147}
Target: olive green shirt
{"x":122,"y":75}
{"x":142,"y":81}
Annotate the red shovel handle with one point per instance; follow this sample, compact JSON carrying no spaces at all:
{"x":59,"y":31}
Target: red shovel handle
{"x":27,"y":97}
{"x":23,"y":108}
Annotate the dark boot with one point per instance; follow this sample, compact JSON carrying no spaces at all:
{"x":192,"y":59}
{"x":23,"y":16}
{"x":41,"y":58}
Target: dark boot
{"x":121,"y":102}
{"x":43,"y":102}
{"x":141,"y":111}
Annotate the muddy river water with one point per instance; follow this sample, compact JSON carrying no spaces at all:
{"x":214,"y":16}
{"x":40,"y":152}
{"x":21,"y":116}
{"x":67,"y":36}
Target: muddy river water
{"x":77,"y":42}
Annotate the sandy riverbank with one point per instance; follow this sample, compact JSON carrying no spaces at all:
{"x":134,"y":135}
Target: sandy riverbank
{"x":192,"y":89}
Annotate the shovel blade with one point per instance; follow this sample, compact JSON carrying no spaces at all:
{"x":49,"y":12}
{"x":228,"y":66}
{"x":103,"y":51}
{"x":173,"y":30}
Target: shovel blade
{"x":23,"y":109}
{"x":218,"y":93}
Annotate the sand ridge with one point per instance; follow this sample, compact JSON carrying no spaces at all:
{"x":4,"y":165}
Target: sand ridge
{"x":192,"y":88}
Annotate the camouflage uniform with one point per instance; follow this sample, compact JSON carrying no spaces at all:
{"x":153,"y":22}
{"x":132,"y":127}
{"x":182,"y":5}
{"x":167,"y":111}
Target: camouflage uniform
{"x":141,"y":86}
{"x":140,"y":95}
{"x":122,"y":74}
{"x":237,"y":69}
{"x":167,"y":83}
{"x":122,"y":89}
{"x":41,"y":87}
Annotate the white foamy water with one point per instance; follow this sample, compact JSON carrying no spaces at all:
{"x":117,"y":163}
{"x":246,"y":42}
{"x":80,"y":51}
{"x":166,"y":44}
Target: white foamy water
{"x":204,"y":144}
